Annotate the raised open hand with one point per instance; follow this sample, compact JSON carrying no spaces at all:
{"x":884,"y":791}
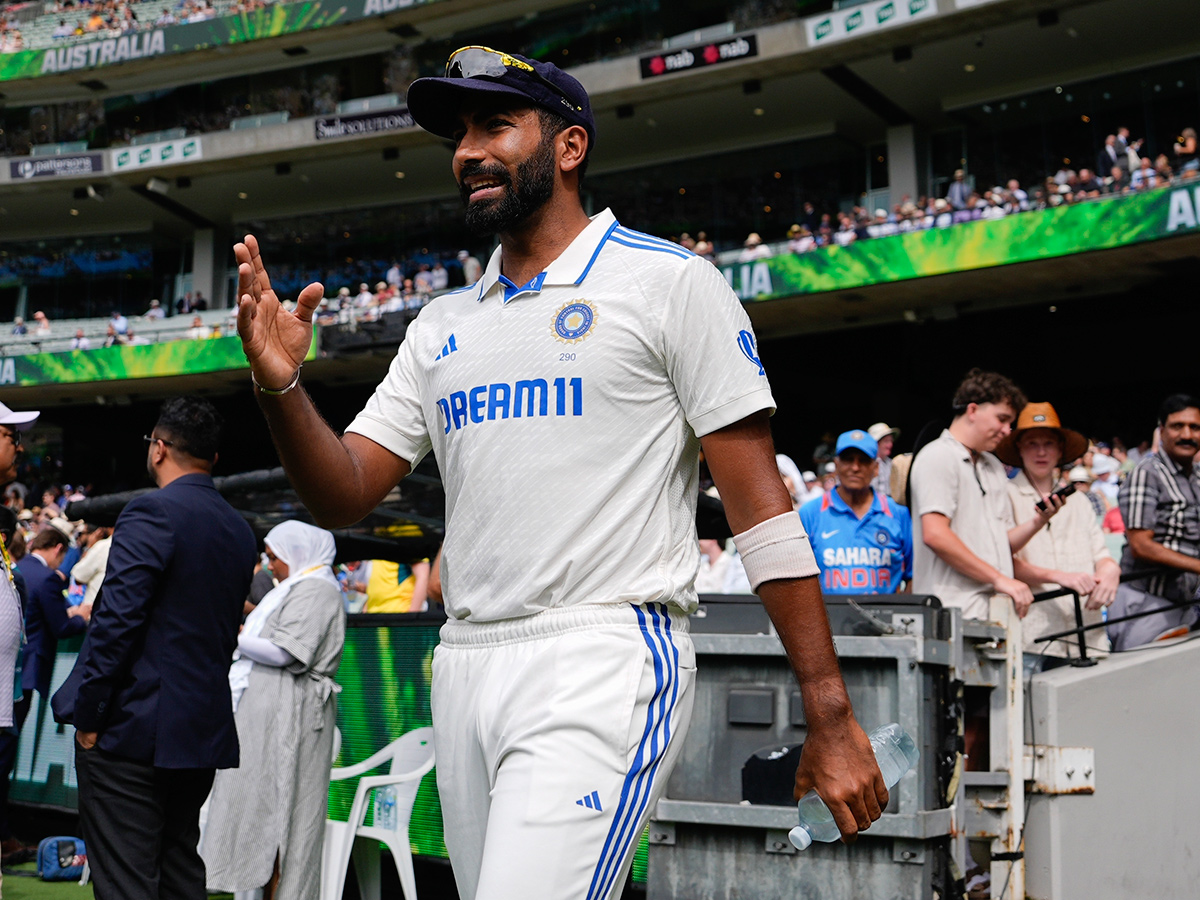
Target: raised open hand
{"x":274,"y":340}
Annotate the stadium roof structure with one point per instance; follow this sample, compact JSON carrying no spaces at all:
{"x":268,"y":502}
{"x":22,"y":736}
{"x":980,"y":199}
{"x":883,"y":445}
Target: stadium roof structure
{"x":904,"y":72}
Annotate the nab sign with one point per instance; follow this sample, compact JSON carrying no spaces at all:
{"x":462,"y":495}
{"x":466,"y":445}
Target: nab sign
{"x":699,"y":56}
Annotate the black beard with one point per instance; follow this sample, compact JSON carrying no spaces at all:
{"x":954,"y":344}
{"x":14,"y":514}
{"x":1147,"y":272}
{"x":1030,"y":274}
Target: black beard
{"x":522,"y":197}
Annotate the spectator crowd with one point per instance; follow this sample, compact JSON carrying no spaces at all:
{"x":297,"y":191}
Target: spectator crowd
{"x":113,"y":18}
{"x":968,"y":516}
{"x":1119,"y":170}
{"x":405,"y":287}
{"x":996,"y":508}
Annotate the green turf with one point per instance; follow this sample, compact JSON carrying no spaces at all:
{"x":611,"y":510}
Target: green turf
{"x":17,"y":887}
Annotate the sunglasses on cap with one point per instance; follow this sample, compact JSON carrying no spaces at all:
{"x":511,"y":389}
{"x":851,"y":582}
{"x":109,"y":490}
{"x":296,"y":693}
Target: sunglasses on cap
{"x":475,"y":61}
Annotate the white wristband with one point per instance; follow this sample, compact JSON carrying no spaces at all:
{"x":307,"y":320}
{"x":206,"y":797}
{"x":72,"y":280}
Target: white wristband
{"x":774,"y":549}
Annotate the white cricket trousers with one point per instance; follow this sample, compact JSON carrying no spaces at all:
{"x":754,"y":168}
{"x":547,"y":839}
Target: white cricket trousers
{"x":555,"y":736}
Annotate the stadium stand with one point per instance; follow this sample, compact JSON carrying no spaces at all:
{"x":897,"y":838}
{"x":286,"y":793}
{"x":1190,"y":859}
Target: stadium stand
{"x":811,"y":150}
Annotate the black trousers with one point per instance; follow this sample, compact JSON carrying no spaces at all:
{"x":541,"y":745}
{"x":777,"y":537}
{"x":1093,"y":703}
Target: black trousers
{"x":141,"y":825}
{"x":9,"y":740}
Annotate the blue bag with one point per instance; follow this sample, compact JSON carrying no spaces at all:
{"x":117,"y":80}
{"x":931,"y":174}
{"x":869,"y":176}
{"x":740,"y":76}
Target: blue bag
{"x":61,"y":858}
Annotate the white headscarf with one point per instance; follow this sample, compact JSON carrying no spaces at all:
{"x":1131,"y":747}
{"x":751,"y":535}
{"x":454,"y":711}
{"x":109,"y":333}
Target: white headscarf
{"x":791,"y":470}
{"x":308,"y":552}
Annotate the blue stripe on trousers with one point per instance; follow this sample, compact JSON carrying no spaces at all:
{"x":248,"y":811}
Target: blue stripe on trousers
{"x":636,"y":790}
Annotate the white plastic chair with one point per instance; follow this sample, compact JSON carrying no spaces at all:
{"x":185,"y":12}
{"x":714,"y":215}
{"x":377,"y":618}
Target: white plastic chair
{"x":411,"y":756}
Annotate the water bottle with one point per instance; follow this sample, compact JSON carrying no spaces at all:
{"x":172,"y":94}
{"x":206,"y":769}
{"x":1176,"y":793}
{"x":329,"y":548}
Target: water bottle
{"x":895,"y":753}
{"x":385,"y":807}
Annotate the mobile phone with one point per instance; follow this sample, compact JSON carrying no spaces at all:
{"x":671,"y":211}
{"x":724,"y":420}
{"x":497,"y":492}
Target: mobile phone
{"x":1062,"y":494}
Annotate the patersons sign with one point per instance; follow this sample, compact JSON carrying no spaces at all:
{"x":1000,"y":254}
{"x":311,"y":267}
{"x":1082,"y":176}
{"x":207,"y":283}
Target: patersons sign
{"x":700,"y":56}
{"x":55,"y":166}
{"x":363,"y":123}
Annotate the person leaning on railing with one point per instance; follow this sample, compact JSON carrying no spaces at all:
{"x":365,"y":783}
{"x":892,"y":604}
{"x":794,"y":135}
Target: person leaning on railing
{"x":1160,"y":505}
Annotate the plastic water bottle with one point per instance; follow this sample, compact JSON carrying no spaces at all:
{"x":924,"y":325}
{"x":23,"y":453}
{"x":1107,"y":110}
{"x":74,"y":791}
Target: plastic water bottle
{"x":385,"y":807}
{"x":895,"y":753}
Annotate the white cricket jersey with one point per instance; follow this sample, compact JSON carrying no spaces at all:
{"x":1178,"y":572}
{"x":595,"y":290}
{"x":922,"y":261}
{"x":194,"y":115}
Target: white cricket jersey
{"x":565,"y":415}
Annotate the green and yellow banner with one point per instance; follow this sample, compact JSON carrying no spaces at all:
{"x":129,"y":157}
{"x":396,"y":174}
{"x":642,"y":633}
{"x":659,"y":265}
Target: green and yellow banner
{"x":122,"y":363}
{"x":1095,"y":225}
{"x":275,"y":20}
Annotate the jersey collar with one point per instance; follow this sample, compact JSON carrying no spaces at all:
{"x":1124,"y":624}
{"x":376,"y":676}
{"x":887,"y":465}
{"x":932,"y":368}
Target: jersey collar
{"x":571,"y":267}
{"x":878,"y":504}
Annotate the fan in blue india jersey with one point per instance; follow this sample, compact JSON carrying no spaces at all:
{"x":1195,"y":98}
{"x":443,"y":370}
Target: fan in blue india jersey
{"x":862,"y":539}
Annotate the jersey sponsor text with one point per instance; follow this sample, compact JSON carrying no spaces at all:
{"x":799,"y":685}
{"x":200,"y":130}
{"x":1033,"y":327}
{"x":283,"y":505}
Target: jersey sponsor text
{"x":528,"y":398}
{"x":856,"y":556}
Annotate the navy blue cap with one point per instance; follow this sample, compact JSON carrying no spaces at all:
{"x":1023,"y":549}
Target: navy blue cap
{"x":435,"y":103}
{"x":859,"y":440}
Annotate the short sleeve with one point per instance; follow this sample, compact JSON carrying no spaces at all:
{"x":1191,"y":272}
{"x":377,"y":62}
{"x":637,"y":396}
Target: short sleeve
{"x":904,"y":518}
{"x":393,"y":417}
{"x":305,"y":618}
{"x":809,"y":513}
{"x":710,"y":351}
{"x":1138,"y":499}
{"x":88,"y":567}
{"x":934,"y":483}
{"x":1096,"y":536}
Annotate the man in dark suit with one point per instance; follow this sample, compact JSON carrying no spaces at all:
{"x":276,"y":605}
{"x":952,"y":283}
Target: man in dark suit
{"x":47,"y":616}
{"x":149,"y":695}
{"x":1111,"y":155}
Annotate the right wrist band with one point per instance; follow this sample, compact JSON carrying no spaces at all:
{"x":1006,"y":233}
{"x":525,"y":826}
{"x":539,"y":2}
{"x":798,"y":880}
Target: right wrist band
{"x":775,"y":549}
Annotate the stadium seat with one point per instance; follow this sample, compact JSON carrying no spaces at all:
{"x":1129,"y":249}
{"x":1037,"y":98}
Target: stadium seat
{"x":411,"y":756}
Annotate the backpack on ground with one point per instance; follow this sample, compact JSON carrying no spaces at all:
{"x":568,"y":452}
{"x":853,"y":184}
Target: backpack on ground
{"x":61,"y":858}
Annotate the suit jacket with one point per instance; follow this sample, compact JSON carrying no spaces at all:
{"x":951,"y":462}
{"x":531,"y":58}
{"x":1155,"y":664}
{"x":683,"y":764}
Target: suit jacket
{"x":46,"y":621}
{"x":1105,"y":162}
{"x":153,"y":673}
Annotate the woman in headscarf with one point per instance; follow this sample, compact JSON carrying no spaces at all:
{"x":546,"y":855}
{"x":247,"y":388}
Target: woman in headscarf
{"x":792,"y":479}
{"x":266,"y":819}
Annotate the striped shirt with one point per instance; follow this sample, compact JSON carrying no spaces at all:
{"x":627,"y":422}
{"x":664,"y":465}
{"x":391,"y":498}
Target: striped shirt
{"x":12,"y":620}
{"x":1159,"y":496}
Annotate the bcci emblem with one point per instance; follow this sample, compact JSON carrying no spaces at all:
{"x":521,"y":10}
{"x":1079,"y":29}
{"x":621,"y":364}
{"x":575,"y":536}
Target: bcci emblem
{"x":882,"y":537}
{"x":574,"y":321}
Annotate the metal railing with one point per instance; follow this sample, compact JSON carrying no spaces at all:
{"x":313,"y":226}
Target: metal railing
{"x":1080,"y":630}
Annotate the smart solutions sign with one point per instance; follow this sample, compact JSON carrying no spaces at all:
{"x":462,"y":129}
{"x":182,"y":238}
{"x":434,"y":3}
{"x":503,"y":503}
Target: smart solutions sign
{"x":361,"y":124}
